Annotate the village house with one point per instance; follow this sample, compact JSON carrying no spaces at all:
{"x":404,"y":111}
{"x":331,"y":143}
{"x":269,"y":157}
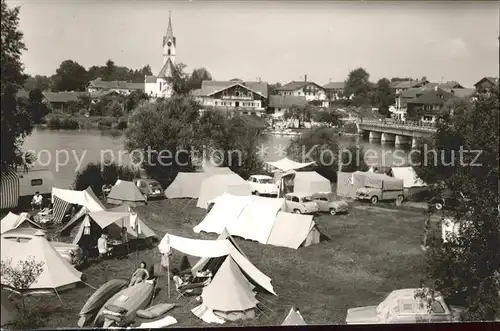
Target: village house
{"x":334,"y":90}
{"x":279,"y":104}
{"x":310,"y":90}
{"x":486,"y":83}
{"x":429,"y":104}
{"x":56,"y":101}
{"x":235,"y":96}
{"x":159,"y":86}
{"x":401,"y":86}
{"x":120,"y":87}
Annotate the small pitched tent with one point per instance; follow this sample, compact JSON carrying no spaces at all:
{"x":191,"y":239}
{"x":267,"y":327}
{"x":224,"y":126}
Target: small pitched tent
{"x":412,"y":184}
{"x":57,"y":274}
{"x":309,"y":182}
{"x":217,"y":185}
{"x":293,"y":318}
{"x":126,"y":192}
{"x":113,"y":222}
{"x":14,"y":221}
{"x":185,"y":185}
{"x":285,"y":164}
{"x":9,"y":313}
{"x":74,"y":221}
{"x":294,"y":230}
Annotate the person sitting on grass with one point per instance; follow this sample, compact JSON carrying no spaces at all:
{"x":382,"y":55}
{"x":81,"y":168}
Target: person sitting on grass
{"x":37,"y":201}
{"x":140,"y":275}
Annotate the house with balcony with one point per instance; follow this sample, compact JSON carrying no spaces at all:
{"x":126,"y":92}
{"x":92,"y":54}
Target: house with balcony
{"x":123,"y":88}
{"x":310,"y":90}
{"x":334,"y":90}
{"x":486,"y":84}
{"x":428,"y":105}
{"x":234,"y":97}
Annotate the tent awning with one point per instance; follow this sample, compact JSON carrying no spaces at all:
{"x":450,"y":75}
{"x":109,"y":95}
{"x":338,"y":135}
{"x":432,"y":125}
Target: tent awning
{"x":9,"y":189}
{"x":84,"y":198}
{"x":285,"y":164}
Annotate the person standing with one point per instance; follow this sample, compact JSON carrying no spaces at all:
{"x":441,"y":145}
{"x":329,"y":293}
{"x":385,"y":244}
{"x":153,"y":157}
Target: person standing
{"x":124,"y":235}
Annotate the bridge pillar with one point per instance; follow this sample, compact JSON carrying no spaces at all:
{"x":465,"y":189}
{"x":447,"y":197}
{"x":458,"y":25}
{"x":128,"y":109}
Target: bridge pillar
{"x":414,"y":143}
{"x":374,"y":136}
{"x":387,"y":138}
{"x":402,"y":140}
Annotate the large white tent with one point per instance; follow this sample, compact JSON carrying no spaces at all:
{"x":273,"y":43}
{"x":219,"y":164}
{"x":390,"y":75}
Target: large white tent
{"x":219,"y":184}
{"x":14,"y":221}
{"x":260,"y":219}
{"x":285,"y":164}
{"x":57,"y":274}
{"x":126,"y":192}
{"x":85,"y":198}
{"x":188,"y":184}
{"x":309,"y":182}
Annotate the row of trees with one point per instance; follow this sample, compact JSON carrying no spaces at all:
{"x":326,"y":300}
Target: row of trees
{"x":71,"y":76}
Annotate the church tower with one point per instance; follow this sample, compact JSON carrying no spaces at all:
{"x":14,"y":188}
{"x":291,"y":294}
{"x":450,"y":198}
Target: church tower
{"x":169,"y":43}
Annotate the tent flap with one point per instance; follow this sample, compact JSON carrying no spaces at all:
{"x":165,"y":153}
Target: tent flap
{"x":285,"y":164}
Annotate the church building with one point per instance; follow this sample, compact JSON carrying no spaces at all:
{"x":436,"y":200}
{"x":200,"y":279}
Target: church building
{"x":158,"y":86}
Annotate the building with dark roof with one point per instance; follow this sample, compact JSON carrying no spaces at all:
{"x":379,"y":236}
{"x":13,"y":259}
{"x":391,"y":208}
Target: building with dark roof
{"x":428,"y":104}
{"x":124,"y":88}
{"x":310,"y":90}
{"x":279,"y":104}
{"x":334,"y":90}
{"x":486,"y":83}
{"x":233,"y":96}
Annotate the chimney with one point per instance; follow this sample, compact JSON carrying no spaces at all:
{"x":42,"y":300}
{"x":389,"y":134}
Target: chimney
{"x":305,"y":78}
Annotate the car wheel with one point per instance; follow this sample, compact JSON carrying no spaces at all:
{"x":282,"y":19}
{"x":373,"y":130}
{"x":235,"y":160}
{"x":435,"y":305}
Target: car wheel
{"x":438,"y":206}
{"x":257,"y":193}
{"x":333,"y":211}
{"x":297,"y":211}
{"x":374,"y":199}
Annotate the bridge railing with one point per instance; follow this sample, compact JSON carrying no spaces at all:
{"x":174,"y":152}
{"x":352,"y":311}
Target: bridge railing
{"x":409,"y":125}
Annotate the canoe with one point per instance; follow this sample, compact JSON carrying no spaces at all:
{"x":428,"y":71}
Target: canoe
{"x":98,"y":299}
{"x":130,"y":299}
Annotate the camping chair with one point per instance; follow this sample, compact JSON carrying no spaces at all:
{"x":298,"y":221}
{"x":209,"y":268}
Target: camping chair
{"x":186,"y":289}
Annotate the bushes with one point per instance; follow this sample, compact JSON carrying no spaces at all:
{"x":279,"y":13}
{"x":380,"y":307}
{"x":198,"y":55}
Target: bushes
{"x":122,"y":124}
{"x":96,"y":175}
{"x":349,"y":128}
{"x":105,"y":123}
{"x":64,"y":123}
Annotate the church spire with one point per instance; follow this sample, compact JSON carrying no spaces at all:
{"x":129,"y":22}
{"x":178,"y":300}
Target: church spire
{"x":170,"y":31}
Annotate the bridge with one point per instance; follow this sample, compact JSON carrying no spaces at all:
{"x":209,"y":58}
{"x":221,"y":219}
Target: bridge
{"x":398,"y":133}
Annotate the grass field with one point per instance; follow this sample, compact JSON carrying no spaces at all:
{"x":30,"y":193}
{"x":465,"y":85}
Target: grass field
{"x":371,"y":252}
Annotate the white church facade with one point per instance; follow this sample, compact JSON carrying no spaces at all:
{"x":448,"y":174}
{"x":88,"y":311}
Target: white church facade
{"x":158,"y":86}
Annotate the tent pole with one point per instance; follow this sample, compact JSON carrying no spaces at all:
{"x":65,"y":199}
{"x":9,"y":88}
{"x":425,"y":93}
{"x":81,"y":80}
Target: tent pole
{"x":58,"y":296}
{"x":168,"y":275}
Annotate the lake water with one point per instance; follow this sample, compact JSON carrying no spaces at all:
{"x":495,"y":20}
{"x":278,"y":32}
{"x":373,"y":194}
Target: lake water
{"x":66,"y":152}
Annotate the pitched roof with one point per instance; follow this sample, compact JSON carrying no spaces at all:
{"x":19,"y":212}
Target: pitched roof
{"x":409,"y":84}
{"x":167,"y":70}
{"x":126,"y":191}
{"x":493,"y":80}
{"x":286,"y":101}
{"x":115,"y":84}
{"x":433,"y":97}
{"x":61,"y":97}
{"x":461,"y":92}
{"x":450,"y":84}
{"x":295,"y":85}
{"x":209,"y":87}
{"x":414,"y":92}
{"x":334,"y":86}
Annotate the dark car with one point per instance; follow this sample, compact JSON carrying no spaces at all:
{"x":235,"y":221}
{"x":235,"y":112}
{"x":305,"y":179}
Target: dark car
{"x":150,"y":188}
{"x":448,"y":202}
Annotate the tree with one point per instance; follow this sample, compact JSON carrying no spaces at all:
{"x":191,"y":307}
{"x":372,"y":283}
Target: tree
{"x":36,"y":106}
{"x":108,"y":71}
{"x":353,"y":159}
{"x":162,"y":132}
{"x":358,"y":84}
{"x":466,"y":269}
{"x":134,"y":99}
{"x":179,"y":80}
{"x":329,"y":117}
{"x":319,"y":145}
{"x":38,"y":82}
{"x":16,"y":122}
{"x":197,"y":77}
{"x":96,"y":175}
{"x":384,"y":96}
{"x":401,"y":79}
{"x":20,"y":278}
{"x":273,"y":88}
{"x":70,"y":76}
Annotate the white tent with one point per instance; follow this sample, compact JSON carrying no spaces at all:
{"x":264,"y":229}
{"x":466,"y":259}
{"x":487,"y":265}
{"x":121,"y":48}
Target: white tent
{"x":310,"y":182}
{"x":57,"y":274}
{"x":285,"y":164}
{"x":185,"y":185}
{"x":294,"y":318}
{"x":217,"y":185}
{"x":260,"y":219}
{"x":14,"y":221}
{"x":84,"y":198}
{"x":125,"y":192}
{"x":214,"y":249}
{"x":409,"y":177}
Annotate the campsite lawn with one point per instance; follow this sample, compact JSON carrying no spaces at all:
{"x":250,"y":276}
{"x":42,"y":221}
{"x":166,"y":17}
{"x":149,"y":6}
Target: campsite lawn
{"x":371,"y":252}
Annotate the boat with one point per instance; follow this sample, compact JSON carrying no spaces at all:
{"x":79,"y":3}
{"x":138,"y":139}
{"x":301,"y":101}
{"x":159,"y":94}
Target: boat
{"x":121,"y":309}
{"x":98,"y":299}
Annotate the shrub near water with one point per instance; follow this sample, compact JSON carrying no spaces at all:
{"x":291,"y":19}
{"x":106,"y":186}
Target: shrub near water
{"x":96,"y":175}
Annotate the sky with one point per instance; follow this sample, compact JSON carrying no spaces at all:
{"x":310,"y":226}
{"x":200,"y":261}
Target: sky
{"x":276,"y":41}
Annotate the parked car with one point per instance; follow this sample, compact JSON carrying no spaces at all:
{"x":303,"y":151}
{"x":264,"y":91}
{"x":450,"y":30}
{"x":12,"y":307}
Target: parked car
{"x":150,"y":188}
{"x":447,"y":201}
{"x":406,"y":306}
{"x":71,"y":252}
{"x":328,"y":203}
{"x":300,"y":203}
{"x":263,"y":185}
